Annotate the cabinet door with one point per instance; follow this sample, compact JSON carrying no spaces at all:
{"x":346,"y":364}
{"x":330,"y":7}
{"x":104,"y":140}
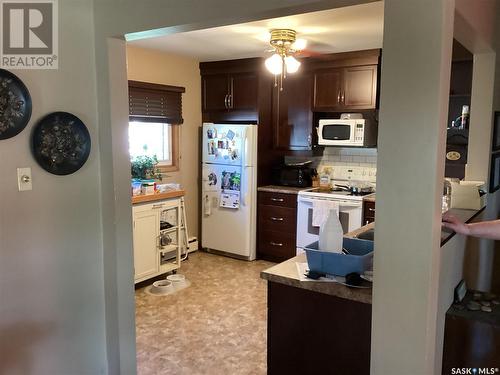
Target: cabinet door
{"x":360,"y":87}
{"x":327,"y":89}
{"x":146,"y":257}
{"x":215,"y":92}
{"x":292,"y":115}
{"x":243,"y":91}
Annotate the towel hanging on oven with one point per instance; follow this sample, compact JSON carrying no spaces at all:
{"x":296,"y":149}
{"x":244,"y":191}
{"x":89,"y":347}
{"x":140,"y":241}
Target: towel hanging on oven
{"x":321,"y":209}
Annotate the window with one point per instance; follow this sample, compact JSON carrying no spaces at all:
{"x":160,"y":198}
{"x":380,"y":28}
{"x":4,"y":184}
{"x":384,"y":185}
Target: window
{"x":155,"y":115}
{"x":151,"y":138}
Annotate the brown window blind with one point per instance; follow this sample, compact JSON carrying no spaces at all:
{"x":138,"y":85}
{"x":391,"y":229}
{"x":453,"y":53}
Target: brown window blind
{"x":152,"y":102}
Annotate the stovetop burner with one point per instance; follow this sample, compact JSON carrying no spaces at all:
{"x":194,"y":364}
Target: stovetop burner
{"x":356,"y":194}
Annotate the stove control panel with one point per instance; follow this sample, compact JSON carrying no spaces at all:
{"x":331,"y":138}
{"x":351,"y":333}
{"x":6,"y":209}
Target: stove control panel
{"x":345,"y":173}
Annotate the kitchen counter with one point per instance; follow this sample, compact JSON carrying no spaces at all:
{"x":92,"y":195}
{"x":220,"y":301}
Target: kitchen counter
{"x":282,"y":189}
{"x":464,"y":215}
{"x":446,"y":234}
{"x":157,"y":197}
{"x":286,"y":273}
{"x":369,"y":198}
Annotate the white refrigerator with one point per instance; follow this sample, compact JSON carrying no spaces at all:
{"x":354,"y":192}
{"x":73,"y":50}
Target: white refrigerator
{"x":229,"y":189}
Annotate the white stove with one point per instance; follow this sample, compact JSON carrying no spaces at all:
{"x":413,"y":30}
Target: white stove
{"x":342,"y":195}
{"x":350,"y":206}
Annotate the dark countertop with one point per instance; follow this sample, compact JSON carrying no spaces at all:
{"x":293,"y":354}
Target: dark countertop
{"x":446,"y":234}
{"x":282,"y":189}
{"x":369,"y":198}
{"x":464,"y":215}
{"x":286,"y":272}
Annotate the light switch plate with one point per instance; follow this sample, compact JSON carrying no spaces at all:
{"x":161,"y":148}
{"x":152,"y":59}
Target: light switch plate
{"x":24,"y":180}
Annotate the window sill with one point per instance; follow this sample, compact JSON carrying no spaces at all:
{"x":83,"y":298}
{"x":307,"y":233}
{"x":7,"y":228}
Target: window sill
{"x":168,"y":168}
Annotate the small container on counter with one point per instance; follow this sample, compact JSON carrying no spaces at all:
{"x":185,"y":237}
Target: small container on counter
{"x":148,"y":187}
{"x":136,"y":187}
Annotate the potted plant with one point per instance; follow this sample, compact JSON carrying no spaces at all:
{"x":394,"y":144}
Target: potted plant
{"x":145,"y":167}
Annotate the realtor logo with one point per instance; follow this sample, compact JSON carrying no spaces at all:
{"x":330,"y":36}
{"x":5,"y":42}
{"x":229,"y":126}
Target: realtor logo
{"x":29,"y":34}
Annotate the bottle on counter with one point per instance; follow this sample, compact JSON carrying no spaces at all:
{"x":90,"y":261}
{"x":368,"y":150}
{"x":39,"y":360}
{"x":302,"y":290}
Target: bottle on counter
{"x":331,"y":234}
{"x":324,"y":180}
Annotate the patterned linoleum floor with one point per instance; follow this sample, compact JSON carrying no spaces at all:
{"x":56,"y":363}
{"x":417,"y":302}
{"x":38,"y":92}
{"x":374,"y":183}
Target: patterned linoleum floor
{"x":215,"y":326}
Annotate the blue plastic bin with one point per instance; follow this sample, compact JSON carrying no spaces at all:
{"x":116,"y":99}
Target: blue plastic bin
{"x":359,"y":259}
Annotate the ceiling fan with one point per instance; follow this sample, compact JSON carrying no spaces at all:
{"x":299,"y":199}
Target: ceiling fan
{"x":286,"y":46}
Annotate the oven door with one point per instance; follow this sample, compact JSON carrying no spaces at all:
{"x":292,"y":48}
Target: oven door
{"x":336,"y":134}
{"x":349,"y":216}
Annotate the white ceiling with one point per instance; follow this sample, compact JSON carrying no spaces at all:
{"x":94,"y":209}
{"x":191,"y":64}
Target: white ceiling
{"x":338,"y":30}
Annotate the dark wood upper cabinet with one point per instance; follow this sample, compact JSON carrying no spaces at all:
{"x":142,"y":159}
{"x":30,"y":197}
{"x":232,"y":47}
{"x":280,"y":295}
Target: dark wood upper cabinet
{"x":243,"y":91}
{"x":292,"y":115}
{"x":360,"y":87}
{"x":215,"y":92}
{"x":230,"y":86}
{"x":327,"y":89}
{"x":349,"y":88}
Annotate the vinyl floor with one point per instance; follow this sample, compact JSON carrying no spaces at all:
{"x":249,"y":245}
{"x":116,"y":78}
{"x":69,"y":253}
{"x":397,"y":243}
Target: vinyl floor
{"x":215,"y":326}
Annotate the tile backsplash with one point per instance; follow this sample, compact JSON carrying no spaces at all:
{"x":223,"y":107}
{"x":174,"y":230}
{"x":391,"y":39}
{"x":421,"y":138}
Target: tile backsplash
{"x":360,"y":157}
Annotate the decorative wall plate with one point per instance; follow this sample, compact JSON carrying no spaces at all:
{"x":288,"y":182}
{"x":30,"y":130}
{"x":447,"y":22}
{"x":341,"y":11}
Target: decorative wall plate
{"x":15,"y":105}
{"x":61,"y":143}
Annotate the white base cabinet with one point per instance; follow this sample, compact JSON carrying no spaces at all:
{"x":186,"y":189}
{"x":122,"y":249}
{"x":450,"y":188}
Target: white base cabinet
{"x":158,"y":230}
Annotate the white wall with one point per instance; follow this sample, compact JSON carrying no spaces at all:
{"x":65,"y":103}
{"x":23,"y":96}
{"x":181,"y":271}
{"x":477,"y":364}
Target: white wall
{"x":159,"y":67}
{"x":52,"y":318}
{"x":416,"y":62}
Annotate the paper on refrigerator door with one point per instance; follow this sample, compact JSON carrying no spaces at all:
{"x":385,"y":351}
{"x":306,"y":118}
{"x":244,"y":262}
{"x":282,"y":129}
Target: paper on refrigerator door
{"x":230,"y":199}
{"x":230,"y":189}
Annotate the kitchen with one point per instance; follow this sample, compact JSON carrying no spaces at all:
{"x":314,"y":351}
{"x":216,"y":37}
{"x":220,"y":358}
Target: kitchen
{"x":297,"y":144}
{"x":67,"y":266}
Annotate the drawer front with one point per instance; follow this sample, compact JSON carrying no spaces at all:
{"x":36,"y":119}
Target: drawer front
{"x":277,"y":244}
{"x":368,"y":212}
{"x":279,"y":219}
{"x":278,"y":199}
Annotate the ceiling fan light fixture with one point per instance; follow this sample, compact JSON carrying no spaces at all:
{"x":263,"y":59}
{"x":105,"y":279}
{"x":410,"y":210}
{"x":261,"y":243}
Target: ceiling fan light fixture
{"x":292,"y":64}
{"x":274,"y":64}
{"x":282,"y":62}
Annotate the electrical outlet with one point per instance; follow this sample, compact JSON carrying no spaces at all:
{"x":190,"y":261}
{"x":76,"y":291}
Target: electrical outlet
{"x":24,"y":181}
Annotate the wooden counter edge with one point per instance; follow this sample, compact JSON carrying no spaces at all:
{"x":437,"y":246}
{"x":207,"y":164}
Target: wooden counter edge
{"x":157,"y":197}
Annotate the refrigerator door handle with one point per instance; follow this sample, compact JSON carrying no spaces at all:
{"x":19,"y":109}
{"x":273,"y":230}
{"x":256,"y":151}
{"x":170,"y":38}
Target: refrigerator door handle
{"x":244,"y":148}
{"x":243,"y":186}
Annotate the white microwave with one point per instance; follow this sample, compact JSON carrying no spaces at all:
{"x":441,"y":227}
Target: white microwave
{"x":347,"y":133}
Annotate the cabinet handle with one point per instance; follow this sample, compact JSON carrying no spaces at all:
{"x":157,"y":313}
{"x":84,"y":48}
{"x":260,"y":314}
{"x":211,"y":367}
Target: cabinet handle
{"x":338,"y":96}
{"x":275,"y":243}
{"x":277,"y":219}
{"x":343,"y":97}
{"x":230,"y":100}
{"x":367,"y":222}
{"x":225,"y":101}
{"x":277,"y":199}
{"x":371,"y":209}
{"x":157,"y":205}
